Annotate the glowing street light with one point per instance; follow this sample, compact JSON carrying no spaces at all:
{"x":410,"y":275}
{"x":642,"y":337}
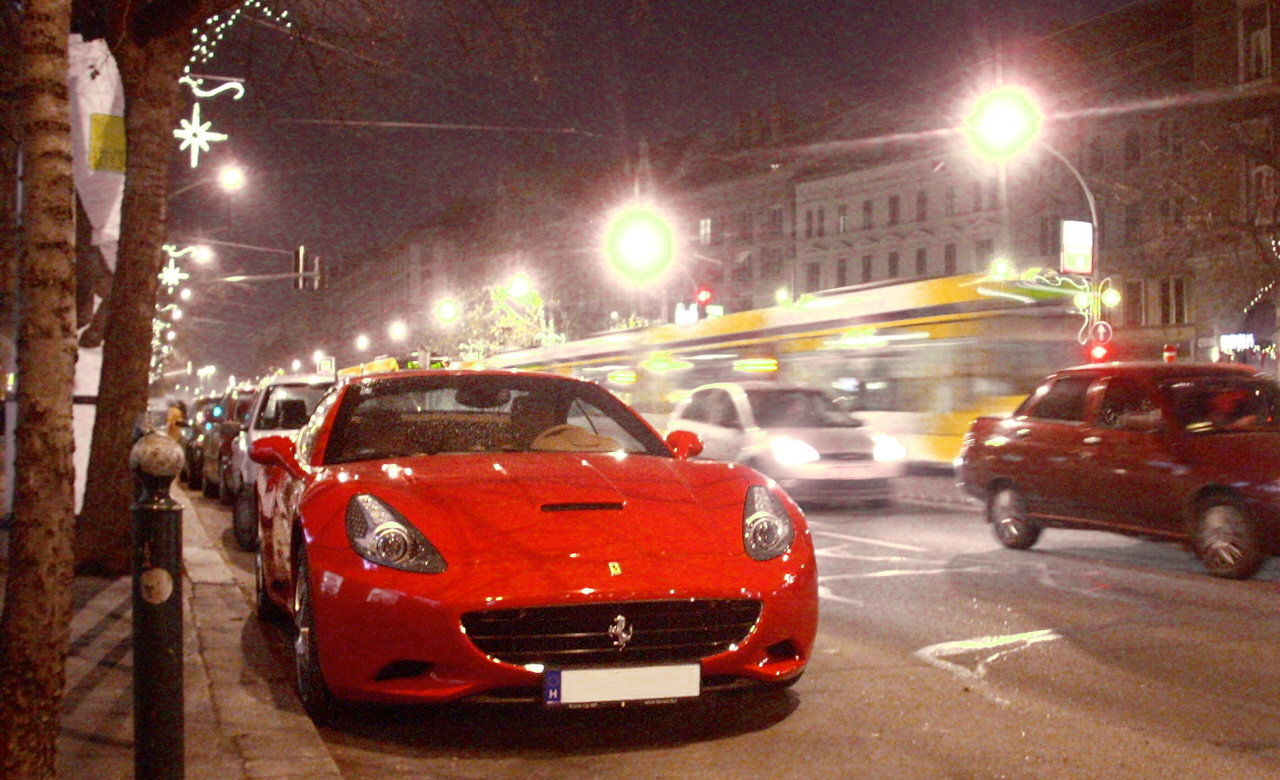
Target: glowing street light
{"x":639,"y":243}
{"x":447,"y":311}
{"x":362,"y":342}
{"x":1003,"y":122}
{"x":398,"y":331}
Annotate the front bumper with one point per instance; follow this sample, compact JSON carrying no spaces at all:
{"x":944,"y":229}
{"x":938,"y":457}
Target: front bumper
{"x":392,"y":636}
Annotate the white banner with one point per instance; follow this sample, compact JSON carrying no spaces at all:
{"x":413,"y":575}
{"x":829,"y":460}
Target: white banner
{"x":97,"y":137}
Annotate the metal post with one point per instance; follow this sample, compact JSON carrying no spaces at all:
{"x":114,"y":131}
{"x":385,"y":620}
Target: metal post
{"x":157,"y":611}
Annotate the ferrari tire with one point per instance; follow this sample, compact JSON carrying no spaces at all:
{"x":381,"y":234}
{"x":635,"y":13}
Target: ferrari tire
{"x":1008,"y":517}
{"x":1226,"y":541}
{"x":244,"y":518}
{"x":312,"y":691}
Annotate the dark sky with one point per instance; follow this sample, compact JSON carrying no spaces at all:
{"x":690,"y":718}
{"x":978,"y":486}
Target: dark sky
{"x":616,"y":72}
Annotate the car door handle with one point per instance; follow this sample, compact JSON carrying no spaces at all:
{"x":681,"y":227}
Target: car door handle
{"x":1092,"y":440}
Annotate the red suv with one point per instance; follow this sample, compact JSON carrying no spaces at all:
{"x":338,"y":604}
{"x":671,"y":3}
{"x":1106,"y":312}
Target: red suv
{"x":1182,"y":452}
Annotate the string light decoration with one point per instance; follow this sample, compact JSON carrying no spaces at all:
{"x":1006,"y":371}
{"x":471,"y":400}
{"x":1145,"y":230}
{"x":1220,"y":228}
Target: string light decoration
{"x":1090,"y":297}
{"x":195,"y":133}
{"x":171,"y":275}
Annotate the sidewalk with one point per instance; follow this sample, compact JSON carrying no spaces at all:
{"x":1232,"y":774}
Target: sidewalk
{"x":242,"y":718}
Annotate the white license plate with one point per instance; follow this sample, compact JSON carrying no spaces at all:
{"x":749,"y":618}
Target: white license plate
{"x":628,"y":683}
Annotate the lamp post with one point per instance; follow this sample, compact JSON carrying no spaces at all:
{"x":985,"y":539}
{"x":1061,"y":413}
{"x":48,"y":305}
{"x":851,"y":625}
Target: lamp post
{"x":1002,"y":124}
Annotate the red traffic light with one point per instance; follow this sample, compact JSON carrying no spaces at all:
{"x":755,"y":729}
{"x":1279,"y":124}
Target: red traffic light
{"x":703,"y":296}
{"x":1098,"y":353}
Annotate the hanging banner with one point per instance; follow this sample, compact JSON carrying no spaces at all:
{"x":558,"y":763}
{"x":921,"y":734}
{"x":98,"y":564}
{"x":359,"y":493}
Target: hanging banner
{"x":97,"y":138}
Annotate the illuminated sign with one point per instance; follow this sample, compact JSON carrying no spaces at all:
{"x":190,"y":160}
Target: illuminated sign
{"x":1077,"y":247}
{"x":1235,"y":342}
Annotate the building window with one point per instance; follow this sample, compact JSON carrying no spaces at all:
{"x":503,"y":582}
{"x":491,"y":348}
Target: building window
{"x":776,"y":223}
{"x":812,"y":277}
{"x":1173,"y":302}
{"x":1050,"y":236}
{"x":1172,"y":211}
{"x":1134,"y":304}
{"x":949,"y":259}
{"x":704,"y":231}
{"x":771,"y":268}
{"x":1255,"y":42}
{"x":1262,"y":194}
{"x":1132,"y":148}
{"x":842,"y":218}
{"x":894,"y":206}
{"x":984,"y":252}
{"x":868,"y":215}
{"x":842,"y":272}
{"x":922,"y":262}
{"x":746,"y":226}
{"x":949,"y":201}
{"x":1169,"y":136}
{"x":1132,"y":225}
{"x":868,"y":266}
{"x":822,"y":222}
{"x":1094,"y":156}
{"x":808,"y":224}
{"x":922,"y":206}
{"x":741,"y":272}
{"x":893,"y":265}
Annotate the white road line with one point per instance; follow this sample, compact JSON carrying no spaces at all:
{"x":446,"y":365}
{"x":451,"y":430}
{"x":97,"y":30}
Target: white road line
{"x":875,"y":542}
{"x":934,"y":655}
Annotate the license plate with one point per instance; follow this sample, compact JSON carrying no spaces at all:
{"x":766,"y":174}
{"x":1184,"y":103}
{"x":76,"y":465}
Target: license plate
{"x":628,"y":683}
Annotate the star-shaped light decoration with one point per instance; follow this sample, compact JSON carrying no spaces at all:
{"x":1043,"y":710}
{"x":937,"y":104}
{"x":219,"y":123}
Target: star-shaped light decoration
{"x":171,"y":275}
{"x":196,"y":135}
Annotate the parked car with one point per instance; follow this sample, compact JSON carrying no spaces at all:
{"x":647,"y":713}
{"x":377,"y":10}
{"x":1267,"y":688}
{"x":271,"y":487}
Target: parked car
{"x":1188,"y":453}
{"x":192,"y":441}
{"x":796,"y":434}
{"x":229,"y":415}
{"x":439,"y":535}
{"x":280,"y":406}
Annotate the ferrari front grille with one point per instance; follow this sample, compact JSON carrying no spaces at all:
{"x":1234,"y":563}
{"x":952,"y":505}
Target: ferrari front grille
{"x":612,"y":634}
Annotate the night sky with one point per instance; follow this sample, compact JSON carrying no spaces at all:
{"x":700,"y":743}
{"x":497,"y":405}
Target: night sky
{"x":614,"y":73}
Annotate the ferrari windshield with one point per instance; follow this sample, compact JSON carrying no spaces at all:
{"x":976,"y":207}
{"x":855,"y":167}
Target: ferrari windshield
{"x":392,"y":417}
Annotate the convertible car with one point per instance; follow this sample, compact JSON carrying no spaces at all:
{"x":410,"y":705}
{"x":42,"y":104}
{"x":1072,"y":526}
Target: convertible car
{"x":490,"y":535}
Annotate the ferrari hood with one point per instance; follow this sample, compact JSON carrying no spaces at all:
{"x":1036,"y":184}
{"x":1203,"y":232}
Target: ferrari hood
{"x":555,"y":505}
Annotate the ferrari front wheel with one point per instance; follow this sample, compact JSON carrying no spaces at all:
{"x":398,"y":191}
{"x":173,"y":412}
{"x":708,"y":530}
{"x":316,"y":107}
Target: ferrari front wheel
{"x":316,"y":698}
{"x":1008,"y":517}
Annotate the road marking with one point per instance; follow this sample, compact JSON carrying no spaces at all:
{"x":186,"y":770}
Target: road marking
{"x":903,"y":573}
{"x":934,"y":655}
{"x":875,"y":542}
{"x":826,"y":593}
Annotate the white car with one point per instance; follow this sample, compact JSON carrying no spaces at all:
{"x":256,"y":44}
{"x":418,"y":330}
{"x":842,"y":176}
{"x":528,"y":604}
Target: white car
{"x":795,"y":434}
{"x":281,"y":405}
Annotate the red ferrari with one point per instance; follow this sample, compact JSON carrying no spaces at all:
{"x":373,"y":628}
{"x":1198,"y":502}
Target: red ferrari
{"x":441,"y":535}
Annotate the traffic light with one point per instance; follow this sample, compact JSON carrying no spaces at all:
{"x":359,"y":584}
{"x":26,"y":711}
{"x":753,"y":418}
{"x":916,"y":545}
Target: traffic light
{"x":702,"y":296}
{"x":1099,"y":352}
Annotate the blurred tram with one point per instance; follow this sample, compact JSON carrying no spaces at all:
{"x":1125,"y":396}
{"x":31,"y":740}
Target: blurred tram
{"x":917,"y":359}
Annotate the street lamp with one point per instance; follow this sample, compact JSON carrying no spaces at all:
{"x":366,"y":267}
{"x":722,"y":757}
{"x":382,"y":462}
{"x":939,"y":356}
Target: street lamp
{"x":1003,"y":123}
{"x":639,"y":243}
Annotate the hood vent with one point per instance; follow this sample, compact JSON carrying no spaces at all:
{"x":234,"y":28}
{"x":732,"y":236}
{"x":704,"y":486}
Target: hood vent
{"x":584,"y":506}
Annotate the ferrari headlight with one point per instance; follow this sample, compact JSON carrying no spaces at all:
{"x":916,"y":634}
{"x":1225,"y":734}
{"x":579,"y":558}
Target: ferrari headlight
{"x":886,"y":449}
{"x":381,"y":535}
{"x":767,"y":531}
{"x":789,"y":451}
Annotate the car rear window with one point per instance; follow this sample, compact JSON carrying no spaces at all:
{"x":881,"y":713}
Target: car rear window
{"x":1064,"y":399}
{"x":1214,"y":404}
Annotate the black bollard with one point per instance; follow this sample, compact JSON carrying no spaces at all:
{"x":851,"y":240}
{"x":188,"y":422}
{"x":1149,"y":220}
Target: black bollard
{"x":158,"y":738}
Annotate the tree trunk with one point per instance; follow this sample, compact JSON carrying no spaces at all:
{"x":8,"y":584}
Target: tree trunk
{"x":36,"y":627}
{"x":153,"y":104}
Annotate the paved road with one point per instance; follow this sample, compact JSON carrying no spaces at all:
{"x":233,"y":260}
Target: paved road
{"x":940,"y":654}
